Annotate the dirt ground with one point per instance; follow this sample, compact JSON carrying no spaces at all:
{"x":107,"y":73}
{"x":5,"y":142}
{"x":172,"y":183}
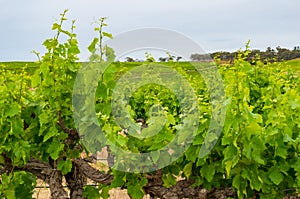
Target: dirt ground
{"x":44,"y":193}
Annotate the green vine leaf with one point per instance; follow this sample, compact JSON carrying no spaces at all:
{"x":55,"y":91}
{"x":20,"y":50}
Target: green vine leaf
{"x":65,"y":166}
{"x":54,"y":149}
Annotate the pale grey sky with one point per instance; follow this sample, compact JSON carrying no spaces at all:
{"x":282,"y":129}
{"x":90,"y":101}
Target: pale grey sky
{"x":214,"y":24}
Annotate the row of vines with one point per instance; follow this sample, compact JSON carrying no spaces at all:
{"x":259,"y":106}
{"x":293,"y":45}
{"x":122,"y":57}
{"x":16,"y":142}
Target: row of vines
{"x":257,"y":154}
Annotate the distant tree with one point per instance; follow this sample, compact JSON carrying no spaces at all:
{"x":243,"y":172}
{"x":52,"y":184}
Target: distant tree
{"x":129,"y":59}
{"x":253,"y":56}
{"x":162,"y":59}
{"x":200,"y":57}
{"x":283,"y":54}
{"x":178,"y":58}
{"x":169,"y":59}
{"x":296,"y":52}
{"x":269,"y":55}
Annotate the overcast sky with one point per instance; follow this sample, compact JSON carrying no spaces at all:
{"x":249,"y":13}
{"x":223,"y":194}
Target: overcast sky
{"x":214,"y":24}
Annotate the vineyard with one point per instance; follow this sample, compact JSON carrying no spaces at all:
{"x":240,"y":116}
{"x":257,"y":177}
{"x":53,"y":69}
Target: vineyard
{"x":48,"y":120}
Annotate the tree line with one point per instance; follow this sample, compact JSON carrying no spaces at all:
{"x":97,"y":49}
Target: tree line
{"x":269,"y":55}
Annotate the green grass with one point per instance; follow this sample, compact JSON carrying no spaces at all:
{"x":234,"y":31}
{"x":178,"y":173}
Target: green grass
{"x":18,"y":66}
{"x":294,"y":64}
{"x":187,"y":66}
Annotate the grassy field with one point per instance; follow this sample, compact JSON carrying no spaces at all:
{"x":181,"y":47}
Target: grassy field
{"x":31,"y":66}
